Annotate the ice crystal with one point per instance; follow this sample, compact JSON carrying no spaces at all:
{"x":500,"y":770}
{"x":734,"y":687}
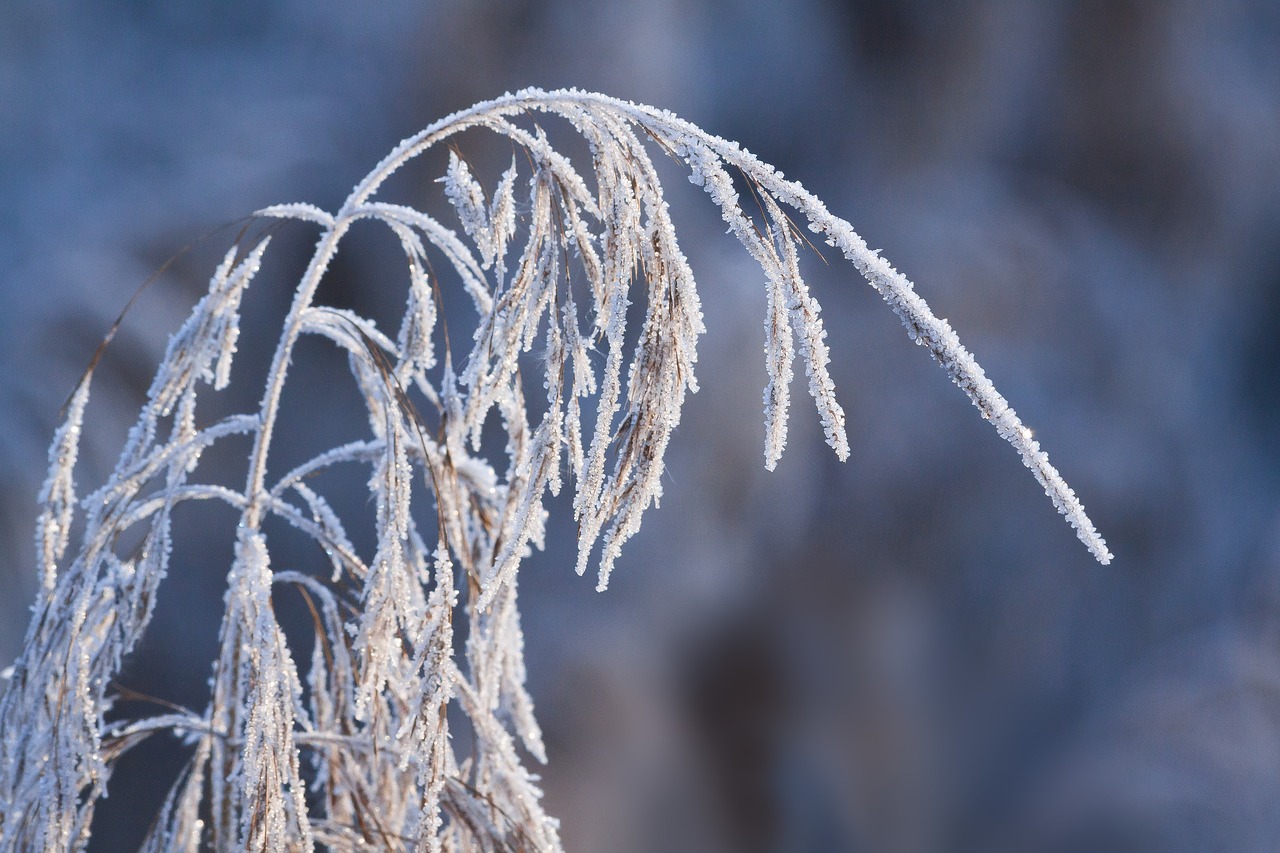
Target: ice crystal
{"x":356,"y":752}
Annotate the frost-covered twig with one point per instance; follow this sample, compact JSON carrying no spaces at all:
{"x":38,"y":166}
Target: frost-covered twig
{"x":354,"y":748}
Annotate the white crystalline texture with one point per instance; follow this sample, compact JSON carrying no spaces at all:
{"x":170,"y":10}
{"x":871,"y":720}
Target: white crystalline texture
{"x":583,"y":294}
{"x":467,"y":198}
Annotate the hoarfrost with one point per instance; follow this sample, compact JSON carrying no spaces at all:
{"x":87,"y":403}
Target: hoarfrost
{"x":370,"y":716}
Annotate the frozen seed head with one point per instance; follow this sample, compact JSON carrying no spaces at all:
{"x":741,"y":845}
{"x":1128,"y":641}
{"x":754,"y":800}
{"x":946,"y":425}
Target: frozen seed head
{"x":581,"y":256}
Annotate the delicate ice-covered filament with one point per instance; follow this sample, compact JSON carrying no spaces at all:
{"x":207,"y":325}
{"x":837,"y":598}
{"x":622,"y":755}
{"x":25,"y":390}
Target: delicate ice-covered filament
{"x":579,"y":289}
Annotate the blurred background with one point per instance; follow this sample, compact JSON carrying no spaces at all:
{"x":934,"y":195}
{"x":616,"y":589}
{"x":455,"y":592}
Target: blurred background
{"x":907,"y":652}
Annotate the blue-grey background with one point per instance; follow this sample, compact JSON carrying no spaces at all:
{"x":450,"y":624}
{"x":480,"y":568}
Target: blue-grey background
{"x":909,"y":652}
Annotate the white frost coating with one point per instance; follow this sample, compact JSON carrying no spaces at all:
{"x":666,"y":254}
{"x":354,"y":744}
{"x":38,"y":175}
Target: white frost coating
{"x":302,"y":212}
{"x":583,"y":299}
{"x":467,"y":198}
{"x":58,"y":494}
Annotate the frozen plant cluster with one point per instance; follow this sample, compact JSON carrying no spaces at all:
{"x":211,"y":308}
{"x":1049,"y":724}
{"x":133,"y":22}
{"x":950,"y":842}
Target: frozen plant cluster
{"x":354,"y":749}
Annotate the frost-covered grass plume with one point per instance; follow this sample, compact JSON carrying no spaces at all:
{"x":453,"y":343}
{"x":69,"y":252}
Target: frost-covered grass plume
{"x":586,"y":321}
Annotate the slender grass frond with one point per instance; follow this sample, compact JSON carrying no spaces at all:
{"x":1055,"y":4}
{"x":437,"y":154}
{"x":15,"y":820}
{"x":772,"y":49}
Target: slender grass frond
{"x":354,"y":750}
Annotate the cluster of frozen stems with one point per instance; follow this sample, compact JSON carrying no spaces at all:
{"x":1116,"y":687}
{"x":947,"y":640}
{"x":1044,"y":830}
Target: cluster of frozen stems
{"x":357,"y":753}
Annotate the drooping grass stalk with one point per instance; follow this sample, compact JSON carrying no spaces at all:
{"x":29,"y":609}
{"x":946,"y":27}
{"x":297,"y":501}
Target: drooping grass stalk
{"x":353,"y":749}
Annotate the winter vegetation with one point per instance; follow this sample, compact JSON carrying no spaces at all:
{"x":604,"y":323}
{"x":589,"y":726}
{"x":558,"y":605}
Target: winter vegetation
{"x":567,"y":371}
